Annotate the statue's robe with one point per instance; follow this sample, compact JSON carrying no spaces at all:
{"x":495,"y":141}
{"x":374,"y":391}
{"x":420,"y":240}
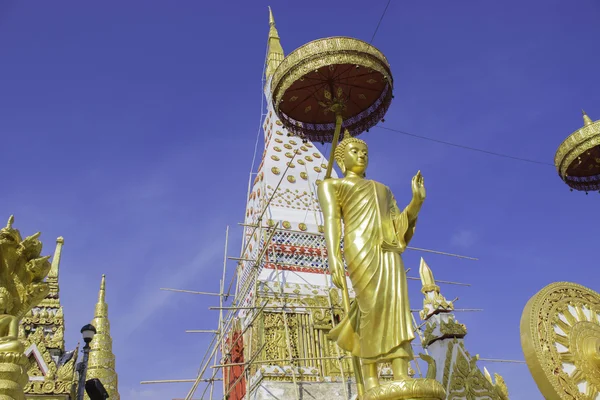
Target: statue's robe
{"x":379,"y":324}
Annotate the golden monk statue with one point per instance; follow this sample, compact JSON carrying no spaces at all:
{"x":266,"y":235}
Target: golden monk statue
{"x":378,"y":327}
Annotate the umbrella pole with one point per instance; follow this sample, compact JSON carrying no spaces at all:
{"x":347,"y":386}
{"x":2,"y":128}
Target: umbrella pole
{"x":356,"y":365}
{"x":334,"y":143}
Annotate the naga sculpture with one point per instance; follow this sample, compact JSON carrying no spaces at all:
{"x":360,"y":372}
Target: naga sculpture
{"x":22,"y":287}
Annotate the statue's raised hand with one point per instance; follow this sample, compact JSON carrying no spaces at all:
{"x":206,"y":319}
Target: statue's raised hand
{"x":418,"y":187}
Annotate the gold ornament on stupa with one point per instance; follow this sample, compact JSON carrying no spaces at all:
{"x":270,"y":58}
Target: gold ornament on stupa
{"x":577,"y":159}
{"x":560,"y":336}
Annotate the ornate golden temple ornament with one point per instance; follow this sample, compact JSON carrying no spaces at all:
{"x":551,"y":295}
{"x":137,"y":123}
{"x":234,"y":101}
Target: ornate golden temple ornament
{"x":434,"y":302}
{"x":577,"y":159}
{"x":560,"y":336}
{"x":22,"y":287}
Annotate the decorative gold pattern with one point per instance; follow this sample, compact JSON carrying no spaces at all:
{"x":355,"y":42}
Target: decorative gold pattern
{"x":452,"y":328}
{"x":467,"y":381}
{"x":411,"y":389}
{"x":560,"y":335}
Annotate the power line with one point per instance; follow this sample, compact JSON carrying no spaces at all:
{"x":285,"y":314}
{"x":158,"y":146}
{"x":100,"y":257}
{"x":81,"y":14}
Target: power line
{"x":465,"y":147}
{"x":380,"y":19}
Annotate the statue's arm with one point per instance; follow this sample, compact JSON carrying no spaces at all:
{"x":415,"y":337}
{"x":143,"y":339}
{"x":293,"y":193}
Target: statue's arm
{"x":332,"y":218}
{"x":405,"y":221}
{"x":412,"y":210}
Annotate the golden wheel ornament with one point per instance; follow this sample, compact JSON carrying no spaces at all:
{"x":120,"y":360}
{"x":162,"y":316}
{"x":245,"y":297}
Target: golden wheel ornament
{"x":560,"y":336}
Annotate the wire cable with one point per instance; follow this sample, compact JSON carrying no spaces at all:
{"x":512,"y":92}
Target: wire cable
{"x":380,"y":19}
{"x":465,"y":147}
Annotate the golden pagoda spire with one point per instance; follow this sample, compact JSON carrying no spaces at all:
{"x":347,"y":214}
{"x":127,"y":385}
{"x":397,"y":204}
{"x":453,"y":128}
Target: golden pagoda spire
{"x":275,"y":53}
{"x":586,"y":120}
{"x":101,"y":363}
{"x":434,"y":301}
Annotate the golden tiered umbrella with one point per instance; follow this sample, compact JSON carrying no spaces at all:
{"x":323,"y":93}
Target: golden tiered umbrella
{"x":327,"y":85}
{"x":578,"y":157}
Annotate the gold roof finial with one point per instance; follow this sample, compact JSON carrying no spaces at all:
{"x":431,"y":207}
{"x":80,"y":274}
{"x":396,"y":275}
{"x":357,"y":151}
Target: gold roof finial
{"x":53,"y":274}
{"x":102,"y":360}
{"x":427,"y":279}
{"x":271,"y":18}
{"x":586,"y":120}
{"x":102,"y":292}
{"x":275,"y":55}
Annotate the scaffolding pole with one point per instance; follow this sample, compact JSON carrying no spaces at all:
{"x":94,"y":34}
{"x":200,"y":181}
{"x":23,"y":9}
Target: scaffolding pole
{"x":328,"y":284}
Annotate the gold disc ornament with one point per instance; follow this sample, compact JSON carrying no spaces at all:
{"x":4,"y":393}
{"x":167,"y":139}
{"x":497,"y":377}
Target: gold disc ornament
{"x":560,"y":336}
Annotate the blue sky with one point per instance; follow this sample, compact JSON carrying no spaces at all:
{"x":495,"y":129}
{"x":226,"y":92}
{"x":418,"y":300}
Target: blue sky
{"x":129,"y":128}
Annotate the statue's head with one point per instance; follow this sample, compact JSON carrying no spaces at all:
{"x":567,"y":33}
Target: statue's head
{"x":352,"y":155}
{"x":6,"y":301}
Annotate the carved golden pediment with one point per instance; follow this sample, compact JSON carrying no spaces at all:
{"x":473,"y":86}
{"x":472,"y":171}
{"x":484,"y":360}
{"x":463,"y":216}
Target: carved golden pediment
{"x":468,"y":381}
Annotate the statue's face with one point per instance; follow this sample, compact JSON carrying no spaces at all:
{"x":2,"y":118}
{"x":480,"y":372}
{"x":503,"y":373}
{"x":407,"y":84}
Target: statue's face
{"x":356,"y":158}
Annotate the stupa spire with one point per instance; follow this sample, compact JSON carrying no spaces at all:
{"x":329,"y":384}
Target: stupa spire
{"x":101,"y":363}
{"x":275,"y":53}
